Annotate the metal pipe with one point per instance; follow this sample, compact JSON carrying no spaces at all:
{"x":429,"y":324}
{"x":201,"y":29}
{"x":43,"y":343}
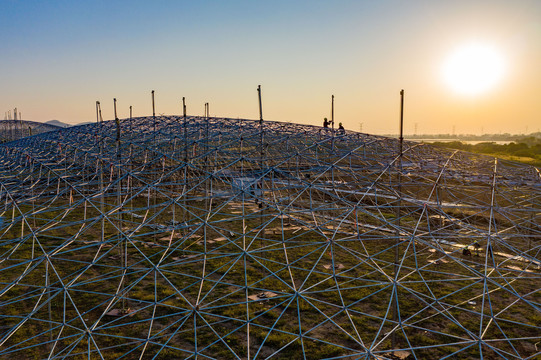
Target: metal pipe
{"x":184,"y":107}
{"x":262,"y":204}
{"x":332,"y":111}
{"x":154,"y":118}
{"x":153,"y":108}
{"x":260,"y":107}
{"x":332,"y":122}
{"x":398,"y":210}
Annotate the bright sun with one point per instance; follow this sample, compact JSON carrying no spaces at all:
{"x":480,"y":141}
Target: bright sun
{"x":473,"y":69}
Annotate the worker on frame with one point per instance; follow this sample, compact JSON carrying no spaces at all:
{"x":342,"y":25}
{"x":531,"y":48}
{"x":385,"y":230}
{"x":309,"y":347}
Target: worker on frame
{"x":476,"y":247}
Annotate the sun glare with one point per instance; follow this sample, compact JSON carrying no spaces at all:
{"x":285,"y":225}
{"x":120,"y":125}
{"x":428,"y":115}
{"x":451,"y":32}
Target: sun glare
{"x":474,"y":69}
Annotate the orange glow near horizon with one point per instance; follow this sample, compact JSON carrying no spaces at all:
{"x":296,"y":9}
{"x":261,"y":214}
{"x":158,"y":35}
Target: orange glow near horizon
{"x":471,"y":66}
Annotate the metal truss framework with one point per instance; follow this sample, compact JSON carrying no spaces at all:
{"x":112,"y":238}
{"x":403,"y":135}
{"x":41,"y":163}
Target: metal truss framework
{"x":11,"y":130}
{"x":197,"y":237}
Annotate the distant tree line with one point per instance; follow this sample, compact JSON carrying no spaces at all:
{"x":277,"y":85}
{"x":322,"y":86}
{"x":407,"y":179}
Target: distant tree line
{"x":471,"y":137}
{"x":527,"y":150}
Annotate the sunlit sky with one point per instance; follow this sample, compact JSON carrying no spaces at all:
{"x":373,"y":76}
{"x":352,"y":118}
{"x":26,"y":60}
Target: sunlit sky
{"x":59,"y":57}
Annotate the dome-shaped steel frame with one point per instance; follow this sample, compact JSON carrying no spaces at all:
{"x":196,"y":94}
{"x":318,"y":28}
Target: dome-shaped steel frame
{"x":196,"y":237}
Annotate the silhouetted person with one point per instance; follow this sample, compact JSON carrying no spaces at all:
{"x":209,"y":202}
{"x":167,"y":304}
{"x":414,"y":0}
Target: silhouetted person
{"x":325,"y":123}
{"x":341,"y":127}
{"x":476,"y":246}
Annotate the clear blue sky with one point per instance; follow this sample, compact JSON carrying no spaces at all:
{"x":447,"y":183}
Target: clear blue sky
{"x":59,"y":57}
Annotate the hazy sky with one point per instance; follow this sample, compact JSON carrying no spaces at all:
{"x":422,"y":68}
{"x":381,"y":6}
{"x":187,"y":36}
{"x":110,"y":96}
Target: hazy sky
{"x":59,"y":57}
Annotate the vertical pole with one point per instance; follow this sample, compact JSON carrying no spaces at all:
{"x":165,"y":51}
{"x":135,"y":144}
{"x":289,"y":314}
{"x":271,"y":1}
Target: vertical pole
{"x":130,"y":179}
{"x":154,"y":145}
{"x":185,"y":162}
{"x":401,"y":122}
{"x":206,"y":153}
{"x":184,"y":107}
{"x":260,"y":107}
{"x":123,"y":252}
{"x":153,"y":107}
{"x":398,"y":208}
{"x":332,"y":122}
{"x":185,"y":135}
{"x":332,"y":145}
{"x":206,"y":170}
{"x":332,"y":111}
{"x":154,"y":118}
{"x":262,"y":194}
{"x":99,"y":121}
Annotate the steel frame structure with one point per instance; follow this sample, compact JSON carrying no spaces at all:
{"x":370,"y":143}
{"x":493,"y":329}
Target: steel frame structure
{"x":200,"y":237}
{"x":11,"y":130}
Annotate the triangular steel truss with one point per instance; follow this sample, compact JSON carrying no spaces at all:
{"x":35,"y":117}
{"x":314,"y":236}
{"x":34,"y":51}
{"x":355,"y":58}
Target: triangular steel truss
{"x":197,"y":237}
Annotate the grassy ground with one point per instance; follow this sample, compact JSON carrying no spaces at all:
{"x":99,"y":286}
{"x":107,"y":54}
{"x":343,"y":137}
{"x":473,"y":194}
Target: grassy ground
{"x":290,"y":261}
{"x":525,"y":152}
